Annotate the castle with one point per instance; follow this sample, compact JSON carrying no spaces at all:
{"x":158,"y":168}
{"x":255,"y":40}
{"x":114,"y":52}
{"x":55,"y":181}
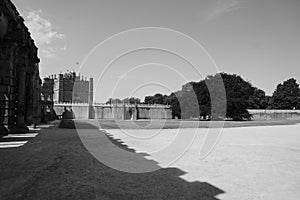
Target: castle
{"x":68,"y":88}
{"x":71,"y":91}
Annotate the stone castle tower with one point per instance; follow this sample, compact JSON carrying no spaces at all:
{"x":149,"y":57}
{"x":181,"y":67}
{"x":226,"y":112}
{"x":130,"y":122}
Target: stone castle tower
{"x":70,"y":88}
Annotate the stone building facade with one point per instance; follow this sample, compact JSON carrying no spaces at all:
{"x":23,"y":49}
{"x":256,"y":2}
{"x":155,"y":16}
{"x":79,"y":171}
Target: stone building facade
{"x":19,"y":72}
{"x":47,"y":111}
{"x":64,"y":88}
{"x":68,"y":88}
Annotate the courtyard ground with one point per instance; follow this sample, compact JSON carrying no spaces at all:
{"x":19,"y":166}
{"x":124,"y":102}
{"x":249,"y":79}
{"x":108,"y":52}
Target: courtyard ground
{"x":173,"y":124}
{"x":256,"y":162}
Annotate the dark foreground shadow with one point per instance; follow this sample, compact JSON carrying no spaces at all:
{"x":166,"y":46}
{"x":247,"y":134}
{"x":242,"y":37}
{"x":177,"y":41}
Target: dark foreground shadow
{"x":56,"y":165}
{"x":76,"y":124}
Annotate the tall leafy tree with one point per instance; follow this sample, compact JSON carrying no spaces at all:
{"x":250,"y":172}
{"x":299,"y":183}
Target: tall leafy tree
{"x":113,"y":101}
{"x":286,"y":95}
{"x":131,"y":100}
{"x":233,"y":104}
{"x":188,"y":102}
{"x":238,"y":93}
{"x":203,"y":98}
{"x":172,"y":100}
{"x":258,"y":100}
{"x":195,"y":99}
{"x":156,"y":99}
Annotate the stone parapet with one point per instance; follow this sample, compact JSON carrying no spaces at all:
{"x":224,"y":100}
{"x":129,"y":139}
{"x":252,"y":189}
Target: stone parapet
{"x":275,"y":114}
{"x":115,"y":111}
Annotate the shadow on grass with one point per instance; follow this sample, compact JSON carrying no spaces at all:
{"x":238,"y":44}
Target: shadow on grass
{"x":163,"y":183}
{"x":56,"y":165}
{"x":76,"y":124}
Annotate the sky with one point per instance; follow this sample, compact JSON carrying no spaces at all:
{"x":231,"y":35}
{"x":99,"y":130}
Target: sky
{"x":139,"y":47}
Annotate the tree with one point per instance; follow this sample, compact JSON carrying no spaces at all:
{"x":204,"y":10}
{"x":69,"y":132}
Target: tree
{"x":286,"y":95}
{"x":172,"y":100}
{"x":132,"y":100}
{"x":258,"y":100}
{"x":231,"y":101}
{"x":232,"y":104}
{"x":188,"y":102}
{"x":112,"y":101}
{"x":203,"y":98}
{"x":156,"y":99}
{"x":238,"y":93}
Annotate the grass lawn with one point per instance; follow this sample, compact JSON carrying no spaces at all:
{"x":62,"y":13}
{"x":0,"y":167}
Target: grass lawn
{"x":170,"y":124}
{"x":56,"y":165}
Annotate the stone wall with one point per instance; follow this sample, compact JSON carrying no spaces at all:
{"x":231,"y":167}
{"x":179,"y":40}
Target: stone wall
{"x":275,"y":114}
{"x":118,"y":111}
{"x":19,"y":73}
{"x":144,"y":113}
{"x":140,"y":111}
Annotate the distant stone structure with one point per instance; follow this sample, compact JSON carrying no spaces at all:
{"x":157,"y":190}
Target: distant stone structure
{"x":64,"y":88}
{"x":68,"y":92}
{"x":116,"y":111}
{"x":68,"y":88}
{"x":19,"y":72}
{"x":47,"y":103}
{"x":264,"y":115}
